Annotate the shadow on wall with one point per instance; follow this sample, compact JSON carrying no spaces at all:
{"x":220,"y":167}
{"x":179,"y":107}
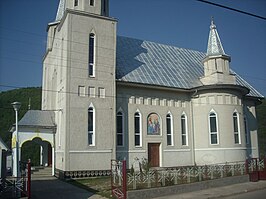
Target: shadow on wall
{"x":251,"y":126}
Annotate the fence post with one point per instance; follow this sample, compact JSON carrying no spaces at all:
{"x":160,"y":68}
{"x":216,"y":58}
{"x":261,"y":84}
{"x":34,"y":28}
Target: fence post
{"x":124,"y":179}
{"x":29,"y":179}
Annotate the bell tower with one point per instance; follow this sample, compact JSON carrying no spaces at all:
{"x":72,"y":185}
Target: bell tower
{"x":98,"y":7}
{"x":80,"y":66}
{"x":216,"y":62}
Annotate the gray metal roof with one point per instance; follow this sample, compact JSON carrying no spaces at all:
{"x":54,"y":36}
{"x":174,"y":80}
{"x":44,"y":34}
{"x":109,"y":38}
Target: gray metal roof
{"x":60,"y":10}
{"x":214,"y":43}
{"x":145,"y":62}
{"x":38,"y":118}
{"x":3,"y":145}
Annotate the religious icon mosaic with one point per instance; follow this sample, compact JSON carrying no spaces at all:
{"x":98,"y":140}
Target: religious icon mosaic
{"x":154,"y":126}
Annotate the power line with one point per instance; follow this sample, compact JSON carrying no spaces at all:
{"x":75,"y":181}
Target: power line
{"x":233,"y":9}
{"x":117,"y":96}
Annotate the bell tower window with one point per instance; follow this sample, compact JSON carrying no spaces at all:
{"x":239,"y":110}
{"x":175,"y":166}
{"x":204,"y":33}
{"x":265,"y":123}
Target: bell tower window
{"x":91,"y":55}
{"x":91,"y":126}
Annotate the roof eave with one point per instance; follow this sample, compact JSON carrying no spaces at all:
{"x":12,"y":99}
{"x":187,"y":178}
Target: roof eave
{"x":242,"y":89}
{"x":144,"y":85}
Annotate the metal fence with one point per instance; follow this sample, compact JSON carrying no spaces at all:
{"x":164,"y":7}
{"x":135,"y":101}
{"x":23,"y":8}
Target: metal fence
{"x":179,"y":175}
{"x":17,"y":187}
{"x":146,"y":177}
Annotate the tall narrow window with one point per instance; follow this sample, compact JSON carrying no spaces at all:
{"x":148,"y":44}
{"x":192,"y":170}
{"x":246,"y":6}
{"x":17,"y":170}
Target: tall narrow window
{"x":76,"y":2}
{"x":119,"y":129}
{"x":137,"y":129}
{"x":236,"y":128}
{"x":104,"y":7}
{"x":91,"y":55}
{"x":91,"y":2}
{"x":169,"y":129}
{"x":184,"y":129}
{"x":213,"y":128}
{"x":91,"y":127}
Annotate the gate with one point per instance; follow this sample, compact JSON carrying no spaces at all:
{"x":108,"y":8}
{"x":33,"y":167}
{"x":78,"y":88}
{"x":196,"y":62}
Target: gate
{"x":119,"y":179}
{"x":16,"y":187}
{"x":256,"y":168}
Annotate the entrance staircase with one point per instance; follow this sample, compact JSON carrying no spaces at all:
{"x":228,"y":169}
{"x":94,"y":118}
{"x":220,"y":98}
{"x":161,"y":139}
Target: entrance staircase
{"x":41,"y":173}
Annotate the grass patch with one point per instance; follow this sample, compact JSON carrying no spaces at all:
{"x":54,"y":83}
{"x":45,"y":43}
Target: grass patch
{"x":97,"y":185}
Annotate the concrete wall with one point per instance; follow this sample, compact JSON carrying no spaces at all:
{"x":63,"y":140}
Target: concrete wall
{"x":178,"y":189}
{"x":224,"y":104}
{"x":68,"y":75}
{"x":146,"y":100}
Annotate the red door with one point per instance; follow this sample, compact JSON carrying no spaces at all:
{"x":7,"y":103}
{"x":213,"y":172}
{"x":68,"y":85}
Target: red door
{"x":154,"y":154}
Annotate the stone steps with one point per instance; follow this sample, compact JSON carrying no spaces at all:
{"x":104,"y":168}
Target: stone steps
{"x":41,"y":173}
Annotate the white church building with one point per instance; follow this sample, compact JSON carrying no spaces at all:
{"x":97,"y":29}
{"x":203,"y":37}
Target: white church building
{"x":107,"y":97}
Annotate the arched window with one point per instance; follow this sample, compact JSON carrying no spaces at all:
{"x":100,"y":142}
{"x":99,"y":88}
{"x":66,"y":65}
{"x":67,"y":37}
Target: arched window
{"x":92,"y":55}
{"x":169,"y":129}
{"x":91,"y":126}
{"x":213,"y":128}
{"x":137,"y":125}
{"x":184,"y":130}
{"x":236,"y":128}
{"x":119,"y":129}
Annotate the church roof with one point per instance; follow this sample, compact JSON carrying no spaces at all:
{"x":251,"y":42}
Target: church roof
{"x":144,"y":62}
{"x":38,"y":118}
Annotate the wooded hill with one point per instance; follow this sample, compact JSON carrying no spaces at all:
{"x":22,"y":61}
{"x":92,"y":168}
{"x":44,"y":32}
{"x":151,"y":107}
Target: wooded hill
{"x":7,"y":117}
{"x":23,"y":95}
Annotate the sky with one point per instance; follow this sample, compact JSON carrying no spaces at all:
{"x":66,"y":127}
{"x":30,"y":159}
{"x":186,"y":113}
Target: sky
{"x":180,"y":23}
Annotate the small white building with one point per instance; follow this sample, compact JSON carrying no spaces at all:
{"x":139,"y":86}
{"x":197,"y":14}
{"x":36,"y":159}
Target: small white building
{"x":116,"y":97}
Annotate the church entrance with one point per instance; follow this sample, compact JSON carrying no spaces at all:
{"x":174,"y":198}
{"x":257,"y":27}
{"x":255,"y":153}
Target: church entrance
{"x":154,"y":154}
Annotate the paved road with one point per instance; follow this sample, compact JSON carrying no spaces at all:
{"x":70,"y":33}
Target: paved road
{"x":227,"y":191}
{"x":260,"y":194}
{"x":53,"y":188}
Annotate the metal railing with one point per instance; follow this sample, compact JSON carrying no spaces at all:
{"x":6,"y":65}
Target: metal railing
{"x":17,"y":187}
{"x":180,"y":175}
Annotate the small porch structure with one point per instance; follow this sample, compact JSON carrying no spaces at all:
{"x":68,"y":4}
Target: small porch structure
{"x":37,"y":126}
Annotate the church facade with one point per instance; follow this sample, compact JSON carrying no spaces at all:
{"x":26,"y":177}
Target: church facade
{"x":115,"y":97}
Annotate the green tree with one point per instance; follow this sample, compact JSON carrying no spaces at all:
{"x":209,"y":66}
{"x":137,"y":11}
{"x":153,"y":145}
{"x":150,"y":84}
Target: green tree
{"x":261,"y":116}
{"x":7,"y":114}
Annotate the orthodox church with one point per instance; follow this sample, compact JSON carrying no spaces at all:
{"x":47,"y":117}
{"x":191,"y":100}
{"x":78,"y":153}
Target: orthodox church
{"x":107,"y":97}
